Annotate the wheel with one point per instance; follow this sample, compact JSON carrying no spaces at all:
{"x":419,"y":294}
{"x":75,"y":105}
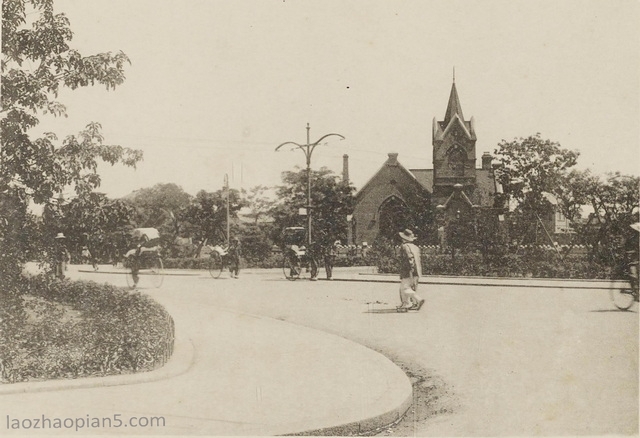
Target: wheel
{"x":156,"y":272}
{"x":126,"y":263}
{"x":215,"y":265}
{"x":622,"y":298}
{"x":130,"y":281}
{"x":291,"y":272}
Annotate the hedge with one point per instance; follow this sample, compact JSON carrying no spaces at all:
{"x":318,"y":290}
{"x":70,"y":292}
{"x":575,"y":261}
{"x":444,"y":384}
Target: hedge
{"x":273,"y":261}
{"x":81,"y":328}
{"x":538,"y":264}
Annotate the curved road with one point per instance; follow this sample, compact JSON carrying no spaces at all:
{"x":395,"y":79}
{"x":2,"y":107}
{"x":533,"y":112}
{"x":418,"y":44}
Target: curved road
{"x":502,"y":360}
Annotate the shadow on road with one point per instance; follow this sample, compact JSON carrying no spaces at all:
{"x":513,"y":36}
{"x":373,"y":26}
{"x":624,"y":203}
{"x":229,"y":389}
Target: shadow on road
{"x":382,"y":311}
{"x":612,"y":310}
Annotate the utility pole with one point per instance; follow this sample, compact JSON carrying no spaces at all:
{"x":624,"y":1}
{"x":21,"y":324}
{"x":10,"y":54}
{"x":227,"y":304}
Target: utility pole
{"x":307,"y":149}
{"x":226,"y":188}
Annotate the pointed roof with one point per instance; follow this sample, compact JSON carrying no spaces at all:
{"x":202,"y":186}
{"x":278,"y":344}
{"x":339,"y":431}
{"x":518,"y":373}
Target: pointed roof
{"x":453,"y":107}
{"x":392,"y":162}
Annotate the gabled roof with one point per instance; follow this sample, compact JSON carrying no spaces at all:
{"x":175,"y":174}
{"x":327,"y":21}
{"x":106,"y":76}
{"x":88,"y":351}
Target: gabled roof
{"x":424,"y":177}
{"x":392,"y":161}
{"x":461,"y":194}
{"x":467,"y":128}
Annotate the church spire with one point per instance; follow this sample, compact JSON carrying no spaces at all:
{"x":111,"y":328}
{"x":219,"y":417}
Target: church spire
{"x":454,"y":104}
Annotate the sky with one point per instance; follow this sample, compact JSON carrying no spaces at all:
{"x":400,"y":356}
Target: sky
{"x":214,"y":86}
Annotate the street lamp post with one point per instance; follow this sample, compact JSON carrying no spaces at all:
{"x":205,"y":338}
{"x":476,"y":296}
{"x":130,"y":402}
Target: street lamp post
{"x":307,"y":149}
{"x":226,"y":189}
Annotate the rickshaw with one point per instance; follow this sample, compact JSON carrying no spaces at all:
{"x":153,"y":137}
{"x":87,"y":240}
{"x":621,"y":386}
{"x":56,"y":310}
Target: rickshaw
{"x":143,"y":259}
{"x":294,"y":252}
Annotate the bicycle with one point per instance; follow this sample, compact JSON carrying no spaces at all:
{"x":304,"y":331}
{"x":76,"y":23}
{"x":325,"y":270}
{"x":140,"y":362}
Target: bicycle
{"x":624,"y":297}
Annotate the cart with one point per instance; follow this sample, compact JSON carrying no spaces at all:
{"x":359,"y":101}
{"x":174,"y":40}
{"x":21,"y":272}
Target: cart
{"x":143,"y":260}
{"x":294,"y":252}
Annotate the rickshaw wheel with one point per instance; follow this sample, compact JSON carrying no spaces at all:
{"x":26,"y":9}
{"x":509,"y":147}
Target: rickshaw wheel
{"x":291,"y":272}
{"x":126,"y":263}
{"x":156,"y":272}
{"x":215,"y":265}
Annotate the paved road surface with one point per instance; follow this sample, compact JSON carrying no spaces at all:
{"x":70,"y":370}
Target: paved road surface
{"x":521,"y":360}
{"x":515,"y":361}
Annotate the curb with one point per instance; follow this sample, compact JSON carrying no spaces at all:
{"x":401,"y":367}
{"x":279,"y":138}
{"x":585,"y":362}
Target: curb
{"x":166,"y":272}
{"x":367,"y":426}
{"x":181,"y":360}
{"x":364,"y":426}
{"x":484,"y":281}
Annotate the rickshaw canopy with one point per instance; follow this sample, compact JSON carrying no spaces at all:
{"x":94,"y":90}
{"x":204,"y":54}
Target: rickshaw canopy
{"x":149,"y":233}
{"x":294,"y":236}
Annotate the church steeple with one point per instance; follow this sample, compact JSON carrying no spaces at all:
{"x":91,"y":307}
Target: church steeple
{"x":454,"y":148}
{"x":454,"y":105}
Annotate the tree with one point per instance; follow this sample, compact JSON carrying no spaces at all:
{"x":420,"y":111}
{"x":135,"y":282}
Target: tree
{"x":92,"y":221}
{"x":331,"y":200}
{"x":257,"y":243}
{"x":614,"y":201}
{"x":532,"y":167}
{"x":159,"y":207}
{"x":207,"y":214}
{"x":258,"y":202}
{"x":37,"y":63}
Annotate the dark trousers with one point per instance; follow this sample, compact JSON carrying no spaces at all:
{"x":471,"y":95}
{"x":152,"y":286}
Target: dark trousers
{"x":329,"y":261}
{"x":313,"y":267}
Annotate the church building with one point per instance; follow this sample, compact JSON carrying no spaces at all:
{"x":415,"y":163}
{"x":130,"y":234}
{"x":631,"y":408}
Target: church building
{"x":455,"y":187}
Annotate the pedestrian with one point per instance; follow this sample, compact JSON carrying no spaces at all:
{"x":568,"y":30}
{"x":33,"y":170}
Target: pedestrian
{"x":410,"y":272}
{"x":234,"y":257}
{"x":88,"y":258}
{"x":330,"y":255}
{"x":62,"y":256}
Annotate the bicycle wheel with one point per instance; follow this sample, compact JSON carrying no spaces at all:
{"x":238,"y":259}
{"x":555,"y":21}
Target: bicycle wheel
{"x":156,"y":272}
{"x":215,"y":265}
{"x":291,"y":272}
{"x":622,"y":298}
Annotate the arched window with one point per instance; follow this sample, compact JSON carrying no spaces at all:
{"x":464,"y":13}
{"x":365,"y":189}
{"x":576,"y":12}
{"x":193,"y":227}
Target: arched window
{"x":457,"y":160}
{"x":394,"y":216}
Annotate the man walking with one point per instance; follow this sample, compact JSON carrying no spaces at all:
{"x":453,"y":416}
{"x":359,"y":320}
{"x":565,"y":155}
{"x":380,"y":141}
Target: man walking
{"x":234,"y":258}
{"x":62,"y":256}
{"x":410,"y":272}
{"x":330,"y":255}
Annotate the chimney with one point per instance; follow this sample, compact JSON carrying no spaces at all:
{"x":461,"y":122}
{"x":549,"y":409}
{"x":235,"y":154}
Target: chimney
{"x":486,"y":161}
{"x":393,"y":159}
{"x":345,"y":169}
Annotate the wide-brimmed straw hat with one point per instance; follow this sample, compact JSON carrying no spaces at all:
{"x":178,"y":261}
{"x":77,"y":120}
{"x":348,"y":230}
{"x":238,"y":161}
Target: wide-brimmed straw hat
{"x":407,"y":235}
{"x":60,"y":236}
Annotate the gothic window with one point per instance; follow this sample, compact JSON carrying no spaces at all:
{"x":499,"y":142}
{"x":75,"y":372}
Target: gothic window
{"x":394,"y":216}
{"x":457,"y":159}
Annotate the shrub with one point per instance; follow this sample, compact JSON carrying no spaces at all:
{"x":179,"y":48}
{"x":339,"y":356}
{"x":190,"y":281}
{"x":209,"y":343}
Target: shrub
{"x":81,"y":328}
{"x":532,"y":262}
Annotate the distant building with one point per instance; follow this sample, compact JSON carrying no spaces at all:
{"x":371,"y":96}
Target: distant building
{"x":397,"y":197}
{"x":555,"y":222}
